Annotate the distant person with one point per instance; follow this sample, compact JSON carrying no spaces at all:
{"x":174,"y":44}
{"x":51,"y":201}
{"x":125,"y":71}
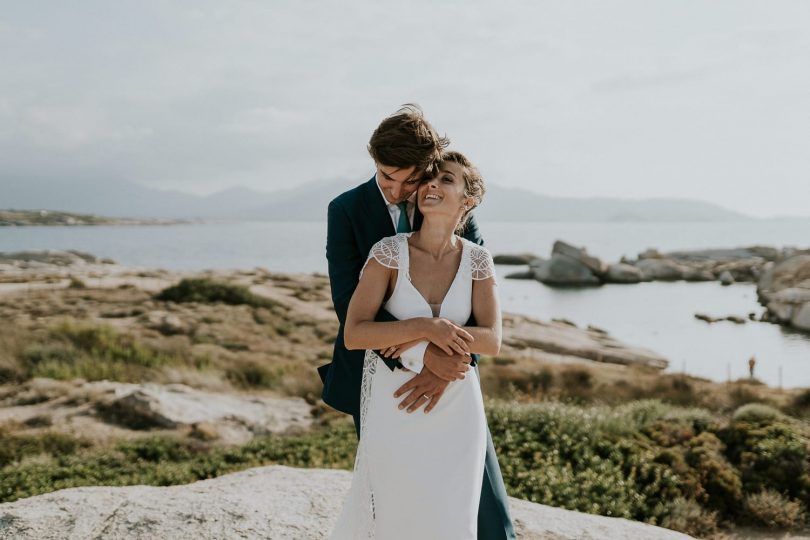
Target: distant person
{"x":752,"y":363}
{"x":431,"y":475}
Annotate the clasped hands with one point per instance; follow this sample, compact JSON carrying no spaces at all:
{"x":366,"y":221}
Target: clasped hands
{"x":447,"y":358}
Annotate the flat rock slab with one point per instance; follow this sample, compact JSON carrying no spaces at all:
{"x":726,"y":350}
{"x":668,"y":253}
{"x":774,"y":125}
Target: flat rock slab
{"x":272,"y":502}
{"x":73,"y":406}
{"x":176,"y":404}
{"x":524,"y":333}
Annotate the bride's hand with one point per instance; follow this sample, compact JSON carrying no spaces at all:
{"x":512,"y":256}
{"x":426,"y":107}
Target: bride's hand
{"x":448,"y":336}
{"x":397,"y":350}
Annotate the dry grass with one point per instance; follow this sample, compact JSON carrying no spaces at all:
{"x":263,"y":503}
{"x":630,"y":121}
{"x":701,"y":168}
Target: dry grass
{"x":121,"y":334}
{"x":772,"y":510}
{"x":525,"y":380}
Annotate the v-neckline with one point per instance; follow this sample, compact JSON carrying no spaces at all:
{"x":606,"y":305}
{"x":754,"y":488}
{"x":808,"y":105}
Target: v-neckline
{"x":407,"y":236}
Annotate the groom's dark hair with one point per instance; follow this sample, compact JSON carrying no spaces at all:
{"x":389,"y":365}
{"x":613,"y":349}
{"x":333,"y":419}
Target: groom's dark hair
{"x":406,"y":139}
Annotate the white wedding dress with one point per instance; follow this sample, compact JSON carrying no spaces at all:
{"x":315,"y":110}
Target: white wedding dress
{"x":418,"y":476}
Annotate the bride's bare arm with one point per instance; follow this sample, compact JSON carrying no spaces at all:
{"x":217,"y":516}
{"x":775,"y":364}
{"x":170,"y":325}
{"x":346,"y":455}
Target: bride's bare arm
{"x":487,"y":313}
{"x":363,"y":332}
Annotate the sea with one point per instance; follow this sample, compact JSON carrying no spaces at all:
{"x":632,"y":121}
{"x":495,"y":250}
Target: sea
{"x":658,"y":316}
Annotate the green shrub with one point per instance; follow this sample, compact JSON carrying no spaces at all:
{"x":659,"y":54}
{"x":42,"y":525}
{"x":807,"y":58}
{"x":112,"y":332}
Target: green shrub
{"x":740,"y":395}
{"x":799,"y":405}
{"x":251,"y":375}
{"x":567,"y":456}
{"x":166,"y":461}
{"x":770,"y":509}
{"x":802,"y":399}
{"x":577,"y":379}
{"x":769,"y":454}
{"x":675,"y":389}
{"x":16,"y":447}
{"x":756,"y":412}
{"x":542,"y":380}
{"x":689,"y":517}
{"x":209,"y":291}
{"x":720,"y":484}
{"x":93,"y":352}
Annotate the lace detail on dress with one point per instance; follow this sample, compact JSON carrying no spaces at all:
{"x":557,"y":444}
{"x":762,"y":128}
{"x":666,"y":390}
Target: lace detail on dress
{"x":356,"y":520}
{"x":481,"y":264}
{"x":386,"y":252}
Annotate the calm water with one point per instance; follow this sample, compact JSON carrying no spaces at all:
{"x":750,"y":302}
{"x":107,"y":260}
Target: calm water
{"x":659,"y":316}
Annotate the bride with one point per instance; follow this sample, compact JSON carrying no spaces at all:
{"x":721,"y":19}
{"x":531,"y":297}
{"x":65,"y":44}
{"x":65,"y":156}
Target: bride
{"x":420,"y":475}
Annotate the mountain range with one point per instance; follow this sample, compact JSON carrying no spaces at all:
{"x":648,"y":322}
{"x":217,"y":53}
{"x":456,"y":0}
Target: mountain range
{"x":308,"y":202}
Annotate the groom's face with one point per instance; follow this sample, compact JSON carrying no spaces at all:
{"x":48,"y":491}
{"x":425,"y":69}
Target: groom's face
{"x":397,"y":183}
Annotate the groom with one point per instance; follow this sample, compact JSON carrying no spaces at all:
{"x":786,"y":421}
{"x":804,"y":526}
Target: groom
{"x":405,"y":148}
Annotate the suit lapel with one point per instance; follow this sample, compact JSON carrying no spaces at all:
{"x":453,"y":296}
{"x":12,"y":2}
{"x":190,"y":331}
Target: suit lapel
{"x":377,"y":210}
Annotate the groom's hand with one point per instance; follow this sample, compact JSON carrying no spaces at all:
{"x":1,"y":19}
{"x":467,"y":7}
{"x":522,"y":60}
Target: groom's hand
{"x":424,"y":387}
{"x":446,"y":366}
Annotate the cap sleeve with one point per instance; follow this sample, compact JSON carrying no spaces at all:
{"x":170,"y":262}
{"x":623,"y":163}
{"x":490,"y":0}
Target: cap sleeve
{"x":386,"y":252}
{"x":481,"y":264}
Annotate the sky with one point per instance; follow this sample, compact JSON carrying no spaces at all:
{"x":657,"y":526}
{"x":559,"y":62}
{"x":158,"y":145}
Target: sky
{"x":603,"y":98}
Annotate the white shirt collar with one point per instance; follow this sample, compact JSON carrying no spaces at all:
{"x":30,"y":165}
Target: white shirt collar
{"x":410,"y":200}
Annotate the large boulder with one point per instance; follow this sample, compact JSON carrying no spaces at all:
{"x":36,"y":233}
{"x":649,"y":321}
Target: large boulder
{"x":235,"y":418}
{"x":265,"y":502}
{"x":650,"y":253}
{"x":661,"y":270}
{"x":726,"y":278}
{"x":765,"y":281}
{"x":747,"y":270}
{"x":513,"y":259}
{"x":801,"y":317}
{"x":784,"y":289}
{"x":564,"y":270}
{"x":732,"y":254}
{"x":579,"y":254}
{"x":696,"y":274}
{"x":622,"y":273}
{"x":785,"y":274}
{"x":525,"y":274}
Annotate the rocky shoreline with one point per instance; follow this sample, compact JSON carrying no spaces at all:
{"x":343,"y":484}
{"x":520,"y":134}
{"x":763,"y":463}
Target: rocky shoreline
{"x":782,"y":275}
{"x":33,"y":218}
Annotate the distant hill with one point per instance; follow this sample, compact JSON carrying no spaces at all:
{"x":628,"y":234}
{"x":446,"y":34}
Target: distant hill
{"x":512,"y":204}
{"x":25,"y":218}
{"x":308,"y":202}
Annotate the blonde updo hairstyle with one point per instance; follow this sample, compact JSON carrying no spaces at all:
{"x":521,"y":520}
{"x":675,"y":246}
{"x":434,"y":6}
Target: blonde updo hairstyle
{"x":474,"y":187}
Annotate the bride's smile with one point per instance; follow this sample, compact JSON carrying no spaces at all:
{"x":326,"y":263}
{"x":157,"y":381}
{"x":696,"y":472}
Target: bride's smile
{"x":444,"y":192}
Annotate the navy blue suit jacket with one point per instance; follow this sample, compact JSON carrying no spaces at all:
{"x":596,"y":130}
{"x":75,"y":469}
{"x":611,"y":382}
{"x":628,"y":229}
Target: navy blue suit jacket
{"x":358,"y":219}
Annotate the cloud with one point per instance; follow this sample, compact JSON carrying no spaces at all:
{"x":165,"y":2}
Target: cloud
{"x":584,"y":99}
{"x":654,"y":78}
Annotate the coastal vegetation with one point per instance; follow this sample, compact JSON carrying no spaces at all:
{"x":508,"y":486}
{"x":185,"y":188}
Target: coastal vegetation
{"x":683,"y":468}
{"x":618,"y":440}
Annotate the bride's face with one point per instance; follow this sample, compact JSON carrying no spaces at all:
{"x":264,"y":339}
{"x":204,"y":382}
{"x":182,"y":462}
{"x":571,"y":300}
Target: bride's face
{"x":444,"y":193}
